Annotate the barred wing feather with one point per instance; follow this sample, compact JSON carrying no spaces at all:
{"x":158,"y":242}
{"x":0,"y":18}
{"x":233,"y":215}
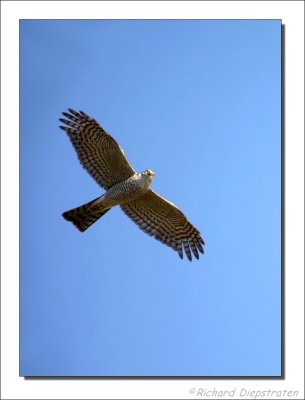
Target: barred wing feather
{"x":97,"y":151}
{"x":164,"y":221}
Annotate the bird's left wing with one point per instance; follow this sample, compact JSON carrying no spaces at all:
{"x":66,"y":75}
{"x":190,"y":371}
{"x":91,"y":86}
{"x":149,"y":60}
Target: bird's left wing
{"x":97,"y":151}
{"x":163,"y":220}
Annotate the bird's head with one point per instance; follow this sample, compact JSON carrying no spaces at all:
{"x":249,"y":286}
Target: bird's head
{"x":148,"y":173}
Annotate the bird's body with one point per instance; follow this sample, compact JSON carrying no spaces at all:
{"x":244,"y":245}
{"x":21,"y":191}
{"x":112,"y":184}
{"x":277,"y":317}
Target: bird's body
{"x":103,"y":158}
{"x":128,"y":190}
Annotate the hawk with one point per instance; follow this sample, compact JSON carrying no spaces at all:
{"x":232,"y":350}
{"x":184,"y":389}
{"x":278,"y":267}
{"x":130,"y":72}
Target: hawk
{"x":105,"y":161}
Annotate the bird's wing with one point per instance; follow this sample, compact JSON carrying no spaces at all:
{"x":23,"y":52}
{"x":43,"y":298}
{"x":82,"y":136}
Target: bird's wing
{"x":163,"y":220}
{"x":97,"y":151}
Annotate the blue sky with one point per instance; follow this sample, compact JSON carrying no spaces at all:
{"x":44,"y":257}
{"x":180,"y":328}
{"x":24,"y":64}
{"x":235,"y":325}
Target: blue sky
{"x":198,"y":102}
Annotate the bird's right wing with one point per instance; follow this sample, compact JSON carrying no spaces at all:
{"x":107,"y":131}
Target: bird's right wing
{"x":163,"y":220}
{"x":97,"y":151}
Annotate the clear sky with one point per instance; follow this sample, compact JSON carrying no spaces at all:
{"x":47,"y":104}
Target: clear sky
{"x":198,"y":102}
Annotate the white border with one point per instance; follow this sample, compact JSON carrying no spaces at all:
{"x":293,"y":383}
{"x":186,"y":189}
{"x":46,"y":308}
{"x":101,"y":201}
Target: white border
{"x":291,"y":12}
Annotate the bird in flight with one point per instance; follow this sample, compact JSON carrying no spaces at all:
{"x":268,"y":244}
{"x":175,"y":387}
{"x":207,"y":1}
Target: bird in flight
{"x":105,"y":161}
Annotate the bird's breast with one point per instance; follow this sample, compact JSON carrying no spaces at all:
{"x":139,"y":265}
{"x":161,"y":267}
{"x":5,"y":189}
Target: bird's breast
{"x":123,"y":192}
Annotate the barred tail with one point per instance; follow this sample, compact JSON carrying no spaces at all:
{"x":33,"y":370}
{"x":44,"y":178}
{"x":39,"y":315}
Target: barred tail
{"x":84,"y":216}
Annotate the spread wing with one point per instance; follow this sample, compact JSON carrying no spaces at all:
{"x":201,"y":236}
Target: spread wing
{"x":97,"y":151}
{"x":163,"y":220}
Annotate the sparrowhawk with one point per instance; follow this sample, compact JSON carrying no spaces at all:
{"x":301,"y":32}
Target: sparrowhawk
{"x":105,"y":161}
